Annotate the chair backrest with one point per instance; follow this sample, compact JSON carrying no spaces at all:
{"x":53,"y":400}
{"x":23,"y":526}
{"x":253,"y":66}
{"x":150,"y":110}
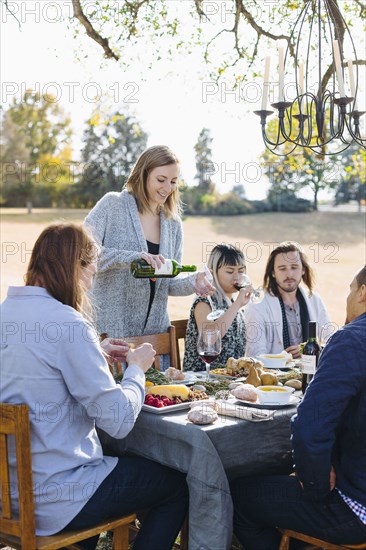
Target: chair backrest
{"x":14,"y":421}
{"x":163,"y":343}
{"x":180,"y":334}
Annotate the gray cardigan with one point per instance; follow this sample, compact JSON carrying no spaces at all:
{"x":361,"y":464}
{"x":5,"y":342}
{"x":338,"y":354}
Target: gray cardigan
{"x":121,"y":301}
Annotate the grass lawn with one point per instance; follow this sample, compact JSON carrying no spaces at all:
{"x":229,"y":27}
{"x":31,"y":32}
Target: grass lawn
{"x":334,"y":243}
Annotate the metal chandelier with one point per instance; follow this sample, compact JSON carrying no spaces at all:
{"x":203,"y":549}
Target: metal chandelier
{"x":326,"y":117}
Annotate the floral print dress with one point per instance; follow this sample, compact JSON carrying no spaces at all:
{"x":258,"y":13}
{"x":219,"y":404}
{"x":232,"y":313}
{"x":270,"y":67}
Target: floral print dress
{"x":233,"y":343}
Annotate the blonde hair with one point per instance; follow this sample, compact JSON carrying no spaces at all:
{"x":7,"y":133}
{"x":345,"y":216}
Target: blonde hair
{"x":222,"y":255}
{"x":59,"y":254}
{"x":158,"y":155}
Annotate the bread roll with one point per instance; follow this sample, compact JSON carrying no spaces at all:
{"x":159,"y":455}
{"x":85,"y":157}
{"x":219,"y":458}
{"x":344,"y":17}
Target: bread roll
{"x":246,"y":392}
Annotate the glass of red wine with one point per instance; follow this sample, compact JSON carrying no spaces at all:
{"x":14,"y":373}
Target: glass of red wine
{"x":209,"y":346}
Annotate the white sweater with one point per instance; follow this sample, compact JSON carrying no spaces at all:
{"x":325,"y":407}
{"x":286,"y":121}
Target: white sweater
{"x":264,"y":323}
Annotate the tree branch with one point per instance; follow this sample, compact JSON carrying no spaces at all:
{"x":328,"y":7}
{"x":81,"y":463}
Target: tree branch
{"x":11,"y":13}
{"x":329,"y":72}
{"x":90,"y":31}
{"x":362,"y":7}
{"x":260,"y":31}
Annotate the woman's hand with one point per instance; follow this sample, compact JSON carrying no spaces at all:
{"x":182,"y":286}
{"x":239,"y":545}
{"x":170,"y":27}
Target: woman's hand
{"x":202,"y":285}
{"x":243,"y":297}
{"x":115,"y":348}
{"x":155,"y":260}
{"x":143,"y":356}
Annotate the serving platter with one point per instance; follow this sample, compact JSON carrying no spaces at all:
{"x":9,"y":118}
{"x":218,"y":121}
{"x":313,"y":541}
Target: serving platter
{"x":294,"y":400}
{"x":287,"y":366}
{"x":167,"y":409}
{"x":227,"y":377}
{"x":188,"y":379}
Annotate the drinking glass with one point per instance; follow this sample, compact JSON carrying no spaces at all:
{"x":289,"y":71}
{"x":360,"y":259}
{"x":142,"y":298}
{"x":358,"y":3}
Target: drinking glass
{"x":257,"y":294}
{"x":215,"y":312}
{"x":209,"y":346}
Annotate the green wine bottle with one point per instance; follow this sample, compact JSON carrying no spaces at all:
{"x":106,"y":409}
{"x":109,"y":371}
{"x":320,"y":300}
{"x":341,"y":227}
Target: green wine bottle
{"x":142,"y":270}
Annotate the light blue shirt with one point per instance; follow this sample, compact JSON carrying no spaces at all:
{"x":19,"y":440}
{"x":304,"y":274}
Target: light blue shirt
{"x":51,"y":359}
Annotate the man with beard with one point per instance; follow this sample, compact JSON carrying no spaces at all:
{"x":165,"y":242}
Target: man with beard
{"x":281,"y":321}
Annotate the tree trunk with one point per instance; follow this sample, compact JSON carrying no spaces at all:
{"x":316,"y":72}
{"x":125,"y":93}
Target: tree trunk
{"x":316,"y":199}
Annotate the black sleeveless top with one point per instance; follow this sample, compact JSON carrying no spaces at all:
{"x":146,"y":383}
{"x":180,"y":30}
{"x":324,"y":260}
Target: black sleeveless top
{"x":153,"y":248}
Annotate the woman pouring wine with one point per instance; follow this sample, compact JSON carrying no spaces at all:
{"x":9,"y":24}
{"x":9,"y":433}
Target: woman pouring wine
{"x":141,"y":222}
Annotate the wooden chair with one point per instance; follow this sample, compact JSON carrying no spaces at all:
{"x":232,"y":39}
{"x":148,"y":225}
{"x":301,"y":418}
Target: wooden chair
{"x":163,"y":343}
{"x":19,"y":531}
{"x":288,"y":534}
{"x":180,"y":334}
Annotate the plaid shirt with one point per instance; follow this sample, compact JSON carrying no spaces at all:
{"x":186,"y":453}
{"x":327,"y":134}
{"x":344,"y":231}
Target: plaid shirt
{"x":355,"y":506}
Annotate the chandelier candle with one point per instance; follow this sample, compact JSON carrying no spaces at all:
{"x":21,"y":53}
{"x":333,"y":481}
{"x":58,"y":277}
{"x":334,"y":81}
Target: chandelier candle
{"x":142,"y":270}
{"x":266,"y":83}
{"x":281,"y":73}
{"x":338,"y":65}
{"x":352,"y":82}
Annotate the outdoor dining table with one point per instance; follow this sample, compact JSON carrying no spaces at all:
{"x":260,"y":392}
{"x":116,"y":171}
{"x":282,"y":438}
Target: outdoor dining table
{"x":211,"y":455}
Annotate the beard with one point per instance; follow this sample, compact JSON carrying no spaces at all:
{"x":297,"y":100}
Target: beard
{"x":290,"y":286}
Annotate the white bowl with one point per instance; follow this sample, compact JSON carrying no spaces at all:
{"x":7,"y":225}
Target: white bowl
{"x":273,"y":360}
{"x":274,"y":395}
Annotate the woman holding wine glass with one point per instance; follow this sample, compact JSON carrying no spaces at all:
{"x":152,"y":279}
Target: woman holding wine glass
{"x":227,"y":266}
{"x":141,"y":222}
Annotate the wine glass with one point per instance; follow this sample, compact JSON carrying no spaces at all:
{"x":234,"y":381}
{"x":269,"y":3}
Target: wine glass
{"x":209,"y":346}
{"x":257,"y":294}
{"x":215,"y":313}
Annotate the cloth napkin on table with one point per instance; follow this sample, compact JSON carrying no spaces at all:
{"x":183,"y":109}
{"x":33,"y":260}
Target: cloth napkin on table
{"x":245,"y":413}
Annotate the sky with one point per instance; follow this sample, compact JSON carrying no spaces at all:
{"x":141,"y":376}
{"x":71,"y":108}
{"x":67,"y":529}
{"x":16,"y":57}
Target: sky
{"x":173,"y":101}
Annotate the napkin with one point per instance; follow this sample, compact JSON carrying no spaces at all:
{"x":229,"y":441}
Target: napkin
{"x":245,"y":413}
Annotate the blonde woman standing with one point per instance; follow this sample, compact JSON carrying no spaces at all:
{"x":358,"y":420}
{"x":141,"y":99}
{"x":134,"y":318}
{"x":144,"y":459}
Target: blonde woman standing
{"x":142,"y":221}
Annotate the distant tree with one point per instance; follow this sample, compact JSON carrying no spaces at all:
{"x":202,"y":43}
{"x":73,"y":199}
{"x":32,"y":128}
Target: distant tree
{"x":111,"y":148}
{"x":35,"y":129}
{"x":353,"y":182}
{"x":204,"y":164}
{"x":239,"y":191}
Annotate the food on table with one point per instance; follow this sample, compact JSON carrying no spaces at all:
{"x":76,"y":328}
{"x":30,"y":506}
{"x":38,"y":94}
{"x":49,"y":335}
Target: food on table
{"x":268,"y":378}
{"x":253,"y":377}
{"x":198,"y":387}
{"x":241,"y":366}
{"x":246,"y":392}
{"x":173,"y":394}
{"x":202,"y":413}
{"x":271,"y":359}
{"x":156,"y":377}
{"x":171,"y":391}
{"x":174,"y":374}
{"x":233,"y":385}
{"x":274,"y":395}
{"x":293,"y":384}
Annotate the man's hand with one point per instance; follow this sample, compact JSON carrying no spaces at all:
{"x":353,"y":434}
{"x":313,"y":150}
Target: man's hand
{"x":294,"y":350}
{"x":332,"y":478}
{"x":143,"y":356}
{"x":115,"y":348}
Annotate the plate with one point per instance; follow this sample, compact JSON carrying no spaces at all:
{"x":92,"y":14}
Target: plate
{"x":165,"y":410}
{"x":294,"y":400}
{"x":227,"y":377}
{"x":289,"y":365}
{"x":188,"y":379}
